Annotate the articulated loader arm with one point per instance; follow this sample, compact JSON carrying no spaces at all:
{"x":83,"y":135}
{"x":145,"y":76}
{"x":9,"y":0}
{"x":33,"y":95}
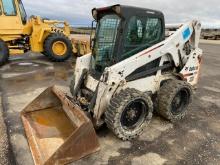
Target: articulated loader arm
{"x":66,"y":27}
{"x":36,"y":21}
{"x":173,"y":46}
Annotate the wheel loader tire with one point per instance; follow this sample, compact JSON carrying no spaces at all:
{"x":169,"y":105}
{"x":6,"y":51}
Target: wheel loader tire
{"x":58,"y":47}
{"x":128,"y":113}
{"x":4,"y":53}
{"x":174,"y":98}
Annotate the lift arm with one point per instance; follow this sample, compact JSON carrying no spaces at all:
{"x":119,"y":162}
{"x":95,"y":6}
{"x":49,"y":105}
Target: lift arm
{"x":172,"y":46}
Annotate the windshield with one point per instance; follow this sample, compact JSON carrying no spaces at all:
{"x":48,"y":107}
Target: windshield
{"x":9,"y":7}
{"x":106,"y":34}
{"x":23,"y":13}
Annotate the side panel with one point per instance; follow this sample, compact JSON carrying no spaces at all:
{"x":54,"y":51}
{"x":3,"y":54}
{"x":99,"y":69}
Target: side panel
{"x":191,"y":70}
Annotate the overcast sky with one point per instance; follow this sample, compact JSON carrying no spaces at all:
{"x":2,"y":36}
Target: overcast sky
{"x":78,"y":12}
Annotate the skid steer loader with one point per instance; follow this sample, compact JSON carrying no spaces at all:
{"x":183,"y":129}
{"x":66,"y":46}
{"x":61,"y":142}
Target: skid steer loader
{"x":132,"y":70}
{"x":19,"y":35}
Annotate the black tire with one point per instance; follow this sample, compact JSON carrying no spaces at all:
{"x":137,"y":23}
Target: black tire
{"x":174,"y":98}
{"x":4,"y":53}
{"x":118,"y":109}
{"x":48,"y":47}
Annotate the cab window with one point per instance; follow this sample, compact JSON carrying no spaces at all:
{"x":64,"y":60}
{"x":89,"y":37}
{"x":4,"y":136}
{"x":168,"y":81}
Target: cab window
{"x":22,"y":12}
{"x":153,"y":30}
{"x":141,"y":31}
{"x":9,"y":7}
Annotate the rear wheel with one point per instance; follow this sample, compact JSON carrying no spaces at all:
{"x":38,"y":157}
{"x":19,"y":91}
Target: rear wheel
{"x":128,"y":113}
{"x":174,"y":98}
{"x":58,"y":47}
{"x":4,"y":53}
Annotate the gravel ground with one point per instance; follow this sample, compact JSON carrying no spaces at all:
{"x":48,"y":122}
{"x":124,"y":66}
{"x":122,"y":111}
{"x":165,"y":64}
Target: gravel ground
{"x":3,"y":138}
{"x":215,"y":42}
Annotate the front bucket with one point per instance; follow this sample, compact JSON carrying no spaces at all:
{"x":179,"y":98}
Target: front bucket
{"x":57,"y":130}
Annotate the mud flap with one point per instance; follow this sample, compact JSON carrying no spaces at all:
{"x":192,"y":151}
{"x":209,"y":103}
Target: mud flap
{"x":58,"y":132}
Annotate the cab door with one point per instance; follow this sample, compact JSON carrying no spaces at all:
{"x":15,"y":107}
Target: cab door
{"x":10,"y":21}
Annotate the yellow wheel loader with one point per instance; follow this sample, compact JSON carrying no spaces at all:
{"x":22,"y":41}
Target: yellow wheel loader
{"x":19,"y":35}
{"x":133,"y":70}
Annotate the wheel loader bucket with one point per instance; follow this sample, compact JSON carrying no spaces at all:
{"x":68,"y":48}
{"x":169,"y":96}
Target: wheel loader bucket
{"x":58,"y":132}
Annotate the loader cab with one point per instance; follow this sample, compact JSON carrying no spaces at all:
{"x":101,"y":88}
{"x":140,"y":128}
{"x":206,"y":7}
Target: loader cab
{"x":123,"y":31}
{"x":12,"y":16}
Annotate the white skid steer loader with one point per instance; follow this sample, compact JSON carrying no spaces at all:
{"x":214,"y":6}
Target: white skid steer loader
{"x":132,"y":70}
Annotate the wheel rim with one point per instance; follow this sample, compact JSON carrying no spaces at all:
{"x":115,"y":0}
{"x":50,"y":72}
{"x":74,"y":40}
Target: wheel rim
{"x":180,"y":102}
{"x":134,"y":114}
{"x":59,"y":48}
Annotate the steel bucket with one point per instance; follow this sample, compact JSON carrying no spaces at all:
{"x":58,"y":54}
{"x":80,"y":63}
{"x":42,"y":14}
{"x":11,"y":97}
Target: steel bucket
{"x":58,"y":132}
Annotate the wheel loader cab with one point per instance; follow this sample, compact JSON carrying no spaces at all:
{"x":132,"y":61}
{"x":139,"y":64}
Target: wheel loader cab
{"x":122,"y":31}
{"x":12,"y":16}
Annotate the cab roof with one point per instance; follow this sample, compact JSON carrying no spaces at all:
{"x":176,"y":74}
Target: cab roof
{"x":124,"y":11}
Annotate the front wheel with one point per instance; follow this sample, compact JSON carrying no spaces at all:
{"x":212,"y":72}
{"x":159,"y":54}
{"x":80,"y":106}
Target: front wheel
{"x":58,"y":47}
{"x":128,"y":113}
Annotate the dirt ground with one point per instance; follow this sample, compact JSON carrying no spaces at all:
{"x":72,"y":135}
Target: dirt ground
{"x":215,"y":42}
{"x":195,"y":140}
